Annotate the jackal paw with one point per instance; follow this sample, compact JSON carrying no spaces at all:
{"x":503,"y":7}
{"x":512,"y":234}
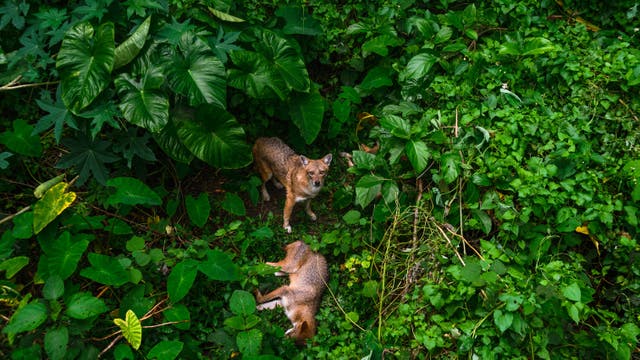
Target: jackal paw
{"x":313,"y":216}
{"x":265,"y":196}
{"x":287,"y":228}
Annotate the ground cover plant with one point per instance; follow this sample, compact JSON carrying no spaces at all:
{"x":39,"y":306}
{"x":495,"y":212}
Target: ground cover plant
{"x":482,"y":203}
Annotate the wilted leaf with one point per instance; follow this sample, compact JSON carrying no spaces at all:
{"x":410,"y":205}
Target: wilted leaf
{"x":52,"y":204}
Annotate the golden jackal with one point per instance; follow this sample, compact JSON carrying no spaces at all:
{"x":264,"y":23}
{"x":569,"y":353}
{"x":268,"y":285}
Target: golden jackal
{"x":308,"y":276}
{"x":302,"y":177}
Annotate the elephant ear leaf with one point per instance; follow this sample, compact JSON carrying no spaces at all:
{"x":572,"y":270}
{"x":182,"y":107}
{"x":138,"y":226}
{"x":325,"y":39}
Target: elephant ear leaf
{"x":214,"y":136}
{"x":85,"y":62}
{"x":130,"y":48}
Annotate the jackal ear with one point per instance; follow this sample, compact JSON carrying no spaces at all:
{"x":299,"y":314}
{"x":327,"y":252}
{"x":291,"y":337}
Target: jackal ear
{"x":327,"y":159}
{"x":304,"y":160}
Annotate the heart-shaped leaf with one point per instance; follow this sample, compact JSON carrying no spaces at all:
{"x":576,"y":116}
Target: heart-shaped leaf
{"x":166,"y":350}
{"x":85,"y":62}
{"x":181,"y":279}
{"x":284,"y":59}
{"x":54,"y":202}
{"x":83,"y":305}
{"x":143,"y":102}
{"x":131,"y":191}
{"x":306,"y":111}
{"x":131,"y":329}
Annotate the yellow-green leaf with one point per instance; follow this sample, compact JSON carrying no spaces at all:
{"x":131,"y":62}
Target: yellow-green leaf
{"x":131,"y":329}
{"x":224,"y":16}
{"x":52,"y":204}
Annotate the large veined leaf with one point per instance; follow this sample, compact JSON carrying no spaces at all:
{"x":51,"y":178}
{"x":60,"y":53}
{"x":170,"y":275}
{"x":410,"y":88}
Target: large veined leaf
{"x":52,"y":204}
{"x":219,"y":266}
{"x":197,"y":74}
{"x":106,"y":270}
{"x":215,"y":137}
{"x":306,"y":111}
{"x":298,"y":21}
{"x":143,"y":102}
{"x":418,"y":66}
{"x":169,"y":142}
{"x":255,"y":76}
{"x":85,"y":62}
{"x":26,"y":318}
{"x":166,"y":350}
{"x":56,"y":342}
{"x":198,"y":209}
{"x":21,"y":139}
{"x":284,"y":59}
{"x":62,"y":255}
{"x":131,"y":191}
{"x":131,"y":329}
{"x":242,"y":303}
{"x":130,"y":48}
{"x":418,"y":154}
{"x":83,"y":305}
{"x":181,"y":279}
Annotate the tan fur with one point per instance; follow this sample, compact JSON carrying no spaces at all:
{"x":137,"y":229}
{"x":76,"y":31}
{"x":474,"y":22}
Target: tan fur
{"x":308,"y":276}
{"x":302,"y":177}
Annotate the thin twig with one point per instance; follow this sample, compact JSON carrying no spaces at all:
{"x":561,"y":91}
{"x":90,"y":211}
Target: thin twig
{"x":9,"y":217}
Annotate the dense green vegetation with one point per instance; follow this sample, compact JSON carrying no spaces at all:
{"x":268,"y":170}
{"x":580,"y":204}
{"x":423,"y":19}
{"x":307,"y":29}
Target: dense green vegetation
{"x":485,"y":206}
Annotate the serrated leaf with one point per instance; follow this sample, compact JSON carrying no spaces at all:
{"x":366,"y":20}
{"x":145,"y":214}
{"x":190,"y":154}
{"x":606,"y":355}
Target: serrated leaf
{"x":129,"y":49}
{"x":215,"y":137}
{"x":242,"y":303}
{"x":52,"y":204}
{"x":131,"y":329}
{"x":88,"y":156}
{"x":83,"y":305}
{"x":197,"y":74}
{"x":572,"y":292}
{"x":307,"y":111}
{"x":398,"y":126}
{"x":418,"y":154}
{"x":105,"y":270}
{"x":249,"y":342}
{"x":131,"y":191}
{"x":84,"y":62}
{"x":219,"y":266}
{"x":53,"y":287}
{"x":449,"y":164}
{"x":21,"y":140}
{"x":376,"y":78}
{"x":198,"y":209}
{"x":26,"y":318}
{"x":181,"y":279}
{"x":418,"y":67}
{"x":367,"y":189}
{"x":55,"y":343}
{"x":166,"y":350}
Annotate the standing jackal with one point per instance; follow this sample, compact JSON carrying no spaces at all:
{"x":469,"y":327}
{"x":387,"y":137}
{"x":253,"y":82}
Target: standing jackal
{"x":308,"y":276}
{"x":302,"y":177}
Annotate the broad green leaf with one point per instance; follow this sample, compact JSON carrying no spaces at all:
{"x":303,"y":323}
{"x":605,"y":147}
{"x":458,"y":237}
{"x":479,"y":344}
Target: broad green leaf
{"x":178,"y":313}
{"x":418,"y":67}
{"x":7,"y":243}
{"x":537,"y":46}
{"x":105,"y":270}
{"x":63,"y":255}
{"x":135,"y":243}
{"x":131,"y":191}
{"x":224,"y":16}
{"x":136,"y":301}
{"x":219,"y":266}
{"x":215,"y":137}
{"x":483,"y":219}
{"x":84,"y":62}
{"x":502,"y":320}
{"x":443,"y":35}
{"x":56,"y":342}
{"x":249,"y":342}
{"x":129,"y":49}
{"x":242,"y":303}
{"x":572,"y":292}
{"x":367,"y":189}
{"x":380,"y":44}
{"x":255,"y":76}
{"x":23,"y":225}
{"x":449,"y":164}
{"x":26,"y":318}
{"x":307,"y":111}
{"x":472,"y":272}
{"x":166,"y":350}
{"x":376,"y":78}
{"x":398,"y":126}
{"x":181,"y":279}
{"x":13,"y":265}
{"x":232,"y":203}
{"x":298,"y":21}
{"x":131,"y":329}
{"x":144,"y":103}
{"x":284,"y":59}
{"x":197,"y":74}
{"x":574,"y":313}
{"x":53,"y":287}
{"x":241,"y":322}
{"x":170,"y":143}
{"x":21,"y":140}
{"x":198,"y":209}
{"x":52,"y":204}
{"x":418,"y":154}
{"x":83,"y":305}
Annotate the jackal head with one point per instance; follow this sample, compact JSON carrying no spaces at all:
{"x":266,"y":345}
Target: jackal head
{"x":316,"y":169}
